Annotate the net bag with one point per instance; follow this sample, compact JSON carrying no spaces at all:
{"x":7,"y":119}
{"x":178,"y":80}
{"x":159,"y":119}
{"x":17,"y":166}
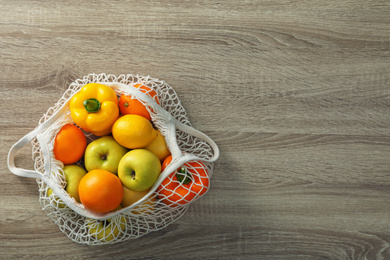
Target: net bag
{"x":188,"y":147}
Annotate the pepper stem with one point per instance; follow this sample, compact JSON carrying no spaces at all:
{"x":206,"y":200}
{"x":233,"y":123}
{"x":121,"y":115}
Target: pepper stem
{"x":92,"y":105}
{"x":183,"y":176}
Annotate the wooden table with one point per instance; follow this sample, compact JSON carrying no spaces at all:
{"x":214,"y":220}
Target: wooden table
{"x":295,"y":93}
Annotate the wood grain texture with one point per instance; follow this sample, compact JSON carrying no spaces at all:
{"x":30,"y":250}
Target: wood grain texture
{"x":295,"y":93}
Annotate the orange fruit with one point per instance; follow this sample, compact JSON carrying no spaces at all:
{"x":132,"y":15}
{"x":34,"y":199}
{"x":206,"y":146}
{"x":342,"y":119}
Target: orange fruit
{"x":69,"y":144}
{"x":129,"y":105}
{"x":100,"y":191}
{"x":133,"y":131}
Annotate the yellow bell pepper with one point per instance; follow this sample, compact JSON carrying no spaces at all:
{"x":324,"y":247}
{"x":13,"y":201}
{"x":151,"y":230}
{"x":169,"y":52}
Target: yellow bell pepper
{"x":95,"y":108}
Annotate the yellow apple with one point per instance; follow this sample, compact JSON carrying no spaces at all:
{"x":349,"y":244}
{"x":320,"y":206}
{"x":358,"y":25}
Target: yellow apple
{"x":57,"y":202}
{"x":139,"y":169}
{"x":130,"y":197}
{"x":159,"y":147}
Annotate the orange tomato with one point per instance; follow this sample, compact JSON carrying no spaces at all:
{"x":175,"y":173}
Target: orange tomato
{"x":69,"y":144}
{"x":185,"y":184}
{"x":129,"y":105}
{"x":100,"y":191}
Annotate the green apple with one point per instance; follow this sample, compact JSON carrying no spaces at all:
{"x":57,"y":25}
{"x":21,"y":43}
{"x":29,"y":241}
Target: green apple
{"x":139,"y":169}
{"x":73,"y":176}
{"x":130,"y":197}
{"x":104,"y":153}
{"x":159,"y":147}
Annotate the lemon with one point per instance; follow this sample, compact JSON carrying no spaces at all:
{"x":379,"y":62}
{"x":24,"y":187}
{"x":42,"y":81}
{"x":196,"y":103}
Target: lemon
{"x":133,"y":131}
{"x":107,"y":230}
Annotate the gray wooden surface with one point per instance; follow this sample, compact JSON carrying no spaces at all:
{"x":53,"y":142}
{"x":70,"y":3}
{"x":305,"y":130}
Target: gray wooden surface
{"x":295,"y":93}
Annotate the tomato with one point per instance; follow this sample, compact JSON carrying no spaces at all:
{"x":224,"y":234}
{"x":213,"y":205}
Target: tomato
{"x":185,"y":184}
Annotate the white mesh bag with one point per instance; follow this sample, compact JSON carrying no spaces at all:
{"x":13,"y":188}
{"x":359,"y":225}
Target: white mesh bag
{"x":188,"y":146}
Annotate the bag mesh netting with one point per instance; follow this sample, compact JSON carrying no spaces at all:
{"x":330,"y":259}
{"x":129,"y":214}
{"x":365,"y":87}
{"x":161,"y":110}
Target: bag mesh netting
{"x":154,"y":211}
